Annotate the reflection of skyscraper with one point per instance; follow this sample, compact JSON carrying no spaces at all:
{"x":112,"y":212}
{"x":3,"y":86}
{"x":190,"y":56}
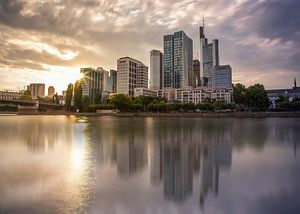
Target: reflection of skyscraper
{"x":155,"y":162}
{"x":131,"y":156}
{"x":214,"y":155}
{"x":177,"y":171}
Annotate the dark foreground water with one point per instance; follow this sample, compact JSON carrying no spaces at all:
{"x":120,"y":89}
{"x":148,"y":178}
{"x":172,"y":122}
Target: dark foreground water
{"x":60,"y":164}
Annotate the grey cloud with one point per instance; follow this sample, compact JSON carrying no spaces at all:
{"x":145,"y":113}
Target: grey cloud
{"x":72,"y":25}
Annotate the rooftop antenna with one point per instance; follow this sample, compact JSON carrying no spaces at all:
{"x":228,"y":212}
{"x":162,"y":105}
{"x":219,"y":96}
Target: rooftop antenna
{"x":203,"y":21}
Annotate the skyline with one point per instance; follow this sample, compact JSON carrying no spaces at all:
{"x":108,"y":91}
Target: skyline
{"x":260,"y":39}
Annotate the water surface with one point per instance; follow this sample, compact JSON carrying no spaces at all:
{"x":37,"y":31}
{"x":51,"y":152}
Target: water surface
{"x":67,"y":164}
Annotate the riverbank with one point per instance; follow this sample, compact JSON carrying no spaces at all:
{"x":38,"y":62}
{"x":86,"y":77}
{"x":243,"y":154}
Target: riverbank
{"x":192,"y":114}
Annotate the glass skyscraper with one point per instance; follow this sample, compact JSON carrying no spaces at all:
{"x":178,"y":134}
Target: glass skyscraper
{"x":178,"y":60}
{"x":209,"y":58}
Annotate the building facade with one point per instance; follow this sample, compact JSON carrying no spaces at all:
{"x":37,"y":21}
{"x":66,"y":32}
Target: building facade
{"x":156,"y":69}
{"x":222,"y":77}
{"x":37,"y":90}
{"x":167,"y":93}
{"x":200,"y":95}
{"x":145,"y":92}
{"x":131,"y":74}
{"x":209,"y":58}
{"x":178,"y":60}
{"x":93,"y":83}
{"x":196,"y":72}
{"x":51,"y":91}
{"x":10,"y":95}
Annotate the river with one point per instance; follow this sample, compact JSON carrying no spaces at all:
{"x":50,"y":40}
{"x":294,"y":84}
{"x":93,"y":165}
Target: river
{"x":132,"y":165}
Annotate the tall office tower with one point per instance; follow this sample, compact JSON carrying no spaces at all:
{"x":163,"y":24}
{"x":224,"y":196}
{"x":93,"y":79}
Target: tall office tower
{"x":196,"y":76}
{"x":93,"y":83}
{"x":156,"y":70}
{"x":37,"y":90}
{"x":209,"y":57}
{"x":131,"y":74}
{"x":222,"y":77}
{"x":51,"y":91}
{"x":113,"y":79}
{"x":178,"y":60}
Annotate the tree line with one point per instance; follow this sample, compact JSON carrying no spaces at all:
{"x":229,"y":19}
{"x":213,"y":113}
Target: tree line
{"x":252,"y":98}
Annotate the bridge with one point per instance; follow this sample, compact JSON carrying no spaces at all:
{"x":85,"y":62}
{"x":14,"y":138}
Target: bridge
{"x":31,"y":106}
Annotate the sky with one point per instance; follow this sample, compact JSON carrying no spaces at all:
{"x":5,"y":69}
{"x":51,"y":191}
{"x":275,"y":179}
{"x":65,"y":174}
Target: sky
{"x":50,"y":40}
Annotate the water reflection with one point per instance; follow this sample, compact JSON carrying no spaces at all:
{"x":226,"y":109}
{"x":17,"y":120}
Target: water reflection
{"x":146,"y":165}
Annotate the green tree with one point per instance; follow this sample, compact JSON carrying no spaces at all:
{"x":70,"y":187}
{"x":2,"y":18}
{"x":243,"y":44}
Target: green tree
{"x":122,"y":102}
{"x":69,"y":96}
{"x":78,"y":95}
{"x":239,"y":95}
{"x":257,"y":98}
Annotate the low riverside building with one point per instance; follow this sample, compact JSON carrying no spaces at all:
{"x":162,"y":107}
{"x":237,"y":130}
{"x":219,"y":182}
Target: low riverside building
{"x":144,"y":92}
{"x":222,"y":94}
{"x":10,"y":95}
{"x":290,"y":94}
{"x":199,"y":95}
{"x":167,"y":93}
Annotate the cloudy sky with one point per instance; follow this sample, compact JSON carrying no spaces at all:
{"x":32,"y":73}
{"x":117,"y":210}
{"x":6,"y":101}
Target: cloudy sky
{"x":49,"y":40}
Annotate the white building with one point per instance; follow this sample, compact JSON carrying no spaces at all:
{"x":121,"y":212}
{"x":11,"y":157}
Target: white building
{"x":167,"y":93}
{"x":199,"y":95}
{"x":131,"y":74}
{"x":145,"y":92}
{"x":156,"y":70}
{"x":10,"y":95}
{"x":222,"y":94}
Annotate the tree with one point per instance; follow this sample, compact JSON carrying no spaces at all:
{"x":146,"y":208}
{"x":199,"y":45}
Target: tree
{"x":86,"y":101}
{"x":257,"y":98}
{"x":239,"y":95}
{"x":55,"y":99}
{"x":78,"y":95}
{"x":69,"y":96}
{"x":122,"y":102}
{"x":27,"y":93}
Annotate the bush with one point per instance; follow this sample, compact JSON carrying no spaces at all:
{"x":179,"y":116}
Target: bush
{"x":136,"y":107}
{"x":94,"y":108}
{"x":8,"y":107}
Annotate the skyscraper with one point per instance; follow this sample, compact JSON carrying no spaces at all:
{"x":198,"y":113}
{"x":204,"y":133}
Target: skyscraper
{"x":156,"y":70}
{"x":209,"y":57}
{"x":196,"y":74}
{"x":93,"y":83}
{"x":222,"y":77}
{"x":131,"y":74}
{"x":51,"y":91}
{"x":37,"y":90}
{"x":178,"y":60}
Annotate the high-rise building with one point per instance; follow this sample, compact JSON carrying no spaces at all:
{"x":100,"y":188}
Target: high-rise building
{"x":113,"y":80}
{"x":209,"y":57}
{"x":222,"y":77}
{"x":178,"y":60}
{"x":196,"y":74}
{"x":37,"y":90}
{"x":156,"y":70}
{"x":51,"y":91}
{"x":131,"y":74}
{"x":93,"y":83}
